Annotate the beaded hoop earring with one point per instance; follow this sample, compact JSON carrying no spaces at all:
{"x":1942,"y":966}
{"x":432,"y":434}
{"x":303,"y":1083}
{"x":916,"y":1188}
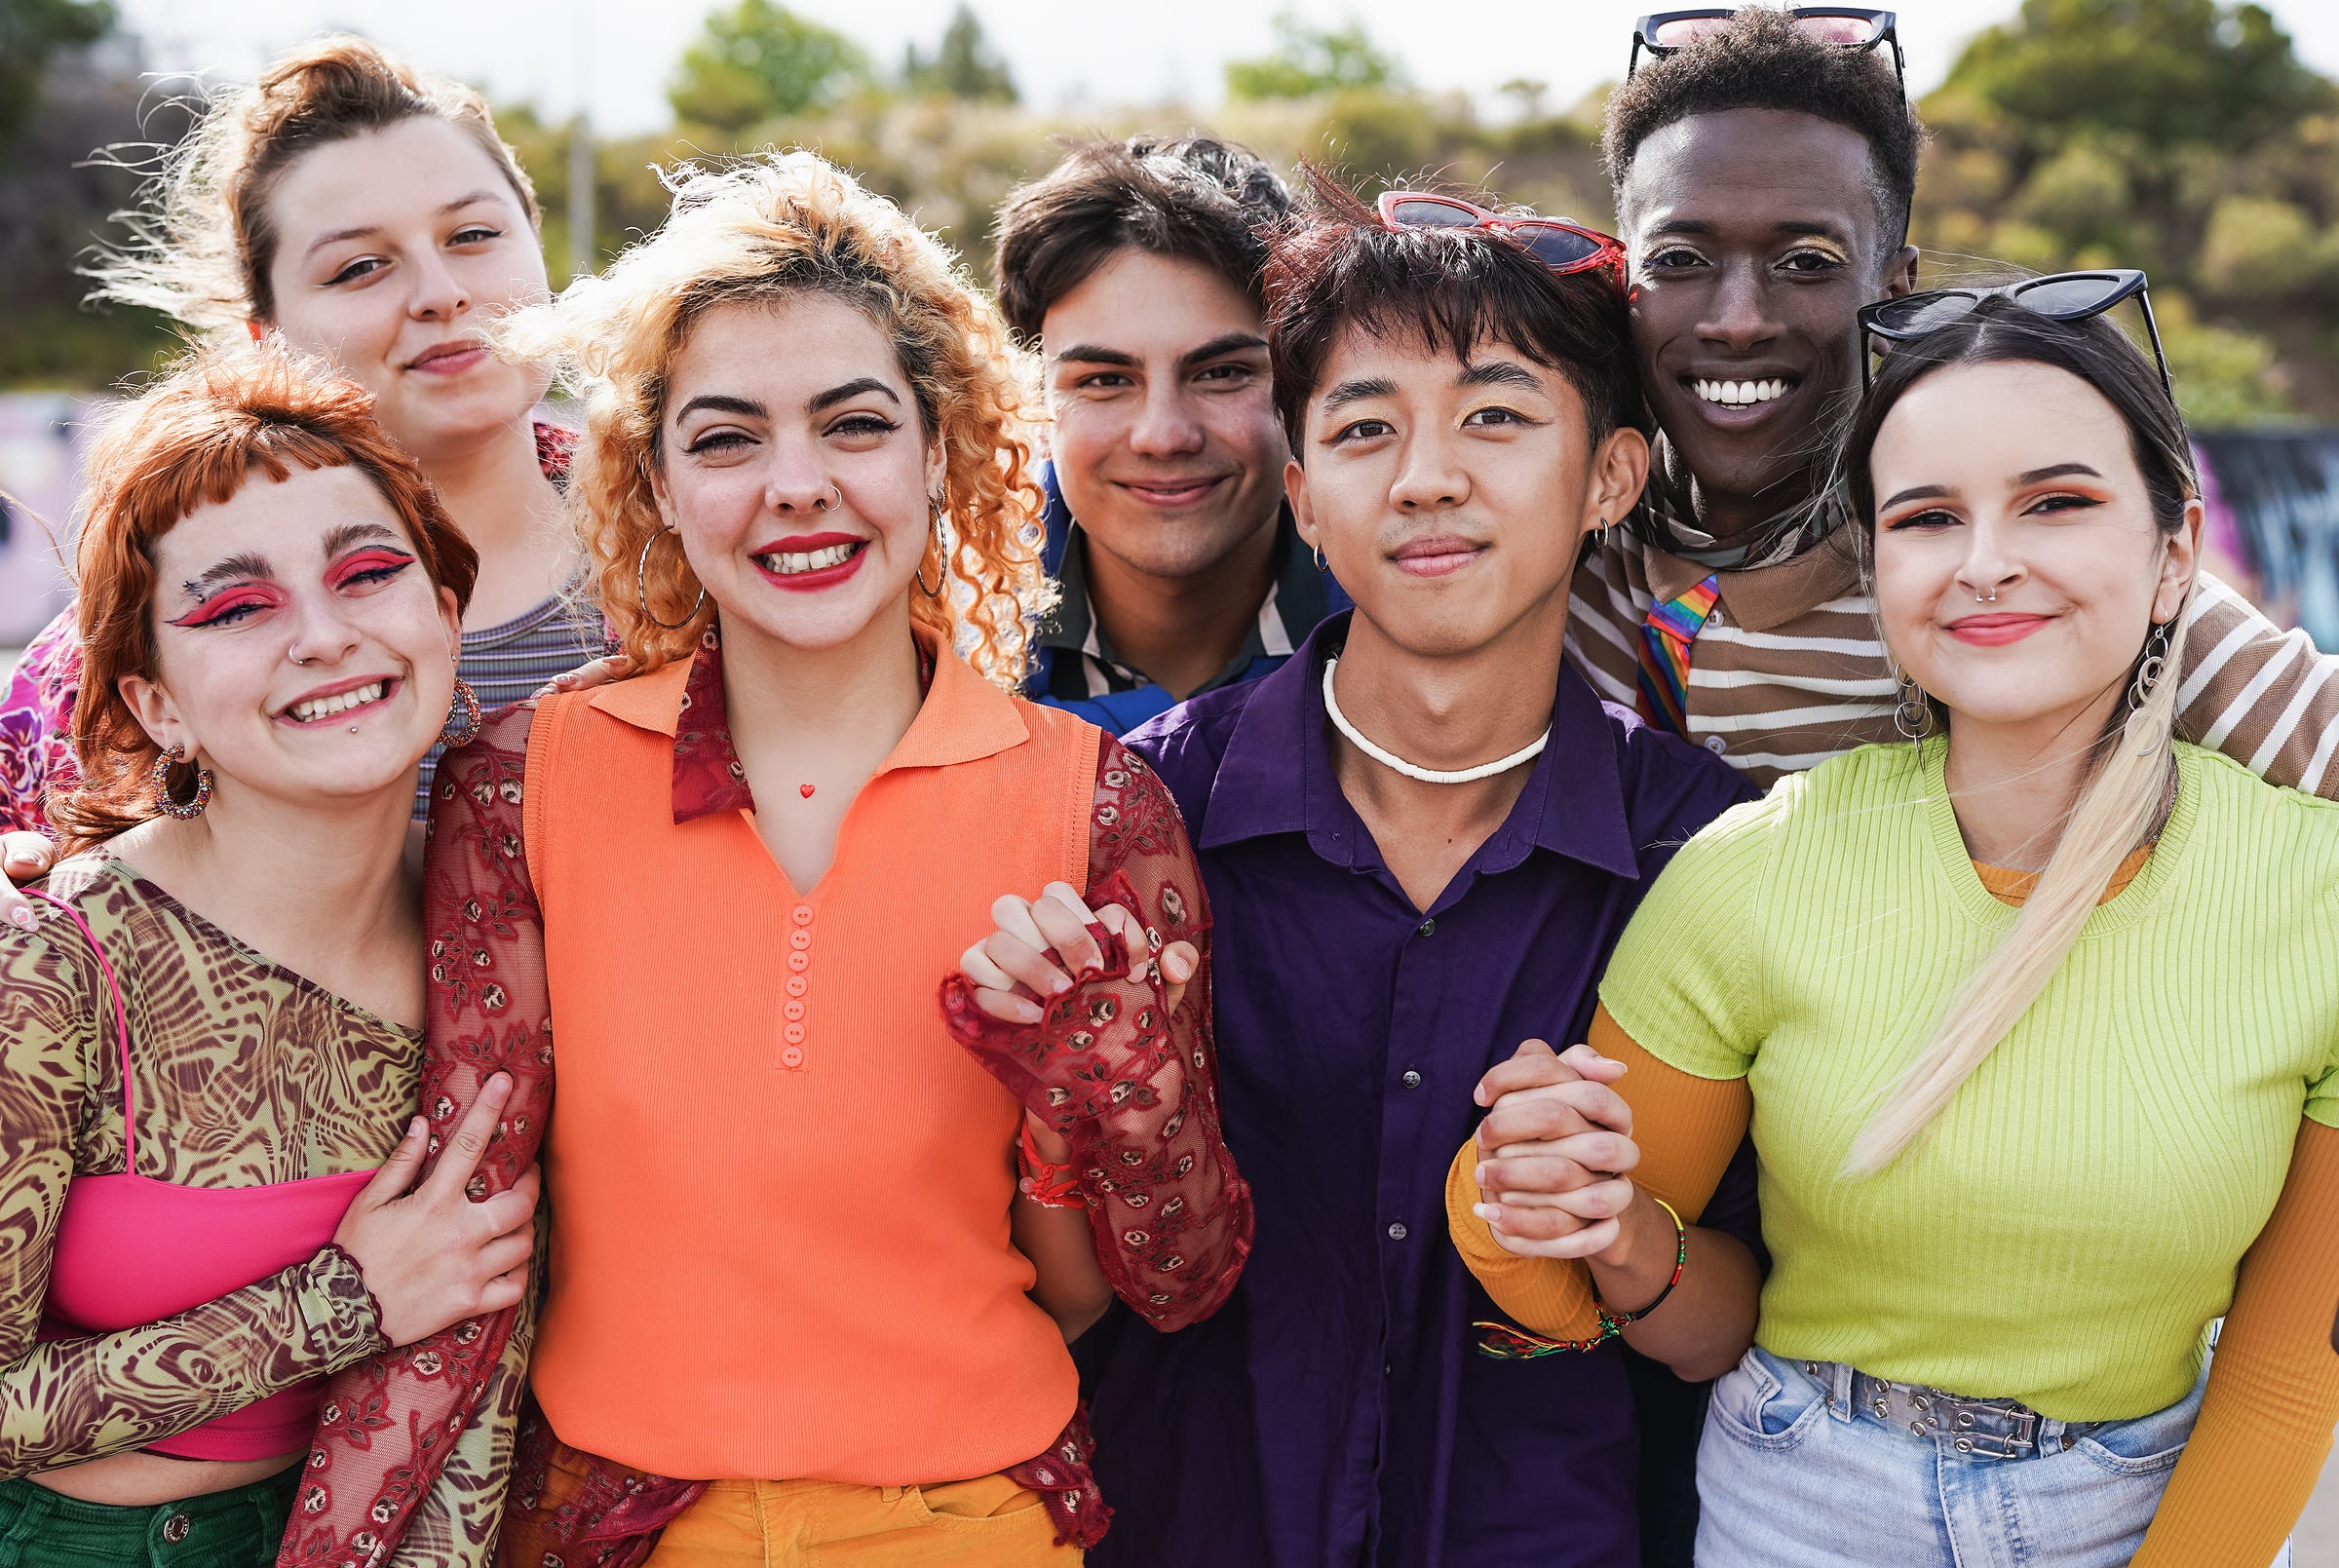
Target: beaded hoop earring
{"x":464,"y":717}
{"x":192,"y":807}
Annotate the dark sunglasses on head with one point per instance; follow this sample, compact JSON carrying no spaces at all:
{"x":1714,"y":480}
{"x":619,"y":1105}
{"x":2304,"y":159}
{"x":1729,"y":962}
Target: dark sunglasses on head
{"x":2062,"y":296}
{"x":1848,"y":27}
{"x":1560,"y":245}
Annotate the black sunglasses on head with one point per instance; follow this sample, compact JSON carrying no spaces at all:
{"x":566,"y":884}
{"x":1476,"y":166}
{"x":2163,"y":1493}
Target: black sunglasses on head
{"x":1853,"y":28}
{"x":2062,"y":296}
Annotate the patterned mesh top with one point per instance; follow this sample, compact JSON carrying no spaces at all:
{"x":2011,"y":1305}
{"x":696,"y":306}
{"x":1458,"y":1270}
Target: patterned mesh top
{"x":245,"y":1074}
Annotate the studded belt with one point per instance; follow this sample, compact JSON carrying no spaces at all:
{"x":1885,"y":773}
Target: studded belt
{"x":1989,"y":1429}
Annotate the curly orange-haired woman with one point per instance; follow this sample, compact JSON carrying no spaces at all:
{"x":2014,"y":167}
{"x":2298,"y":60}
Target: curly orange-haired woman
{"x":802,"y":1302}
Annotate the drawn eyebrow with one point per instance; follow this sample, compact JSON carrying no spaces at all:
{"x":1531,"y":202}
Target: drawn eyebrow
{"x":1358,"y":390}
{"x":848,"y":391}
{"x":1918,"y":492}
{"x":2055,"y":471}
{"x":721,"y":403}
{"x":227,"y":571}
{"x":347,"y":534}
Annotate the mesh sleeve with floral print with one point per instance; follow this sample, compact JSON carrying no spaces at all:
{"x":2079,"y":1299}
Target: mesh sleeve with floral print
{"x":36,"y":726}
{"x":206,"y":1121}
{"x":1131,"y":1087}
{"x":419,"y":1439}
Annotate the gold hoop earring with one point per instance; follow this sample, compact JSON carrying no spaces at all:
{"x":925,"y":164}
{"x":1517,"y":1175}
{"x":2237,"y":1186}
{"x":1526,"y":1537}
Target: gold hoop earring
{"x":641,"y":587}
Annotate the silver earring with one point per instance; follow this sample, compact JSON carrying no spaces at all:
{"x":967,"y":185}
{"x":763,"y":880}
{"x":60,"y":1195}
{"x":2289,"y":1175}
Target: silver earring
{"x":1322,"y":564}
{"x":1912,"y":715}
{"x":2150,"y":667}
{"x":641,"y":587}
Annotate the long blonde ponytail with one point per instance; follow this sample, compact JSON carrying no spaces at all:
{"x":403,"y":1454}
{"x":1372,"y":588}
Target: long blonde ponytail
{"x":2118,"y":806}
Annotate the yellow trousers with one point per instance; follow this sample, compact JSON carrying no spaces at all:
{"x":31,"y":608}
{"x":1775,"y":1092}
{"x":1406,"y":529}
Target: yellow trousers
{"x":985,"y":1523}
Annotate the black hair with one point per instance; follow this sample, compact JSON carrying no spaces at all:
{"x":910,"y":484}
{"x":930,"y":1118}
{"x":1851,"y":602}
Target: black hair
{"x":1336,"y":266}
{"x":1760,"y":60}
{"x":1193,"y":198}
{"x":2000,"y":331}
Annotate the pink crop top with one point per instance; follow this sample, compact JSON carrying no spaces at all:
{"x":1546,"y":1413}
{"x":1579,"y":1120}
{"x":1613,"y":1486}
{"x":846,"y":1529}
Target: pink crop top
{"x":132,"y":1250}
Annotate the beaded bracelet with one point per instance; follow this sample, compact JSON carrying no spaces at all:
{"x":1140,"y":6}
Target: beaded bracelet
{"x":1051,"y":1186}
{"x":1508,"y":1342}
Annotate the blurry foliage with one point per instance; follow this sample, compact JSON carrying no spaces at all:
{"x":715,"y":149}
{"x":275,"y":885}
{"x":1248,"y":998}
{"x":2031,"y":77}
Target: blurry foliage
{"x":32,"y":32}
{"x":758,"y":60}
{"x":1308,"y":61}
{"x":2183,"y":137}
{"x":964,"y":68}
{"x":2180,"y":135}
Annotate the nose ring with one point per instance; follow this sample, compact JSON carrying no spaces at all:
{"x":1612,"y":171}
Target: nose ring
{"x":830,"y":506}
{"x":1991,"y":598}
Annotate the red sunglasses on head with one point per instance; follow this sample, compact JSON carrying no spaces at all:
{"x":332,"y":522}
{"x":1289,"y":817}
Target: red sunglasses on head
{"x":1557,"y":244}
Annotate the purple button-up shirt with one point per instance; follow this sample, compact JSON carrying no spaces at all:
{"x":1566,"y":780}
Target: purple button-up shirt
{"x":1337,"y":1411}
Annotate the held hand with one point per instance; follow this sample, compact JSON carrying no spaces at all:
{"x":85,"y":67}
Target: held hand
{"x":1041,"y":944}
{"x":587,"y":675}
{"x":24,"y":857}
{"x":1556,"y":1145}
{"x":433,"y":1257}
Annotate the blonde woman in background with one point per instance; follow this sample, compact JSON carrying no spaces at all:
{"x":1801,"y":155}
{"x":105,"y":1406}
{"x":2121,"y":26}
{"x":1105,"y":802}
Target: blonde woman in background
{"x":809,"y":1302}
{"x":2014,"y":1161}
{"x":369,"y":213}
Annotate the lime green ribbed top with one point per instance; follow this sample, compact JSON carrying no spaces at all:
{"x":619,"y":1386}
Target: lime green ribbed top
{"x":2070,"y":1225}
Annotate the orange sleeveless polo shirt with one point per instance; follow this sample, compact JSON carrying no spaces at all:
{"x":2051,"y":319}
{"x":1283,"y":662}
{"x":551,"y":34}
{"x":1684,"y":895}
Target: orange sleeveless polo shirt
{"x":779,"y":1189}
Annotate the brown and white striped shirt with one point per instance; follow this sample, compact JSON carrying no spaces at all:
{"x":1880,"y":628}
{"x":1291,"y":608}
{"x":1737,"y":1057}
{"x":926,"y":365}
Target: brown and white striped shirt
{"x":1789,"y":670}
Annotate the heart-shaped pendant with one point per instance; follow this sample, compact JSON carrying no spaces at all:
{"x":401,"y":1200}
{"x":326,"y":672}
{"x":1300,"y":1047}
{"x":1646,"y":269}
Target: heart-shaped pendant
{"x":805,"y":790}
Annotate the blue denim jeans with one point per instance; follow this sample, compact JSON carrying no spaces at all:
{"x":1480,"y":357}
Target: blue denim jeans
{"x":1790,"y":1475}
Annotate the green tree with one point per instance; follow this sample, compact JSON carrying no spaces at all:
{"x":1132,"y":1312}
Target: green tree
{"x":759,"y":61}
{"x":2164,"y":71}
{"x":1307,"y":61}
{"x":965,"y":66}
{"x":32,"y":33}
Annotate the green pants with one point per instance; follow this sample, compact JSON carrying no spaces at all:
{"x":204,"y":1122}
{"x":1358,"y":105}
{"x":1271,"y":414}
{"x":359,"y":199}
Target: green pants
{"x":238,"y":1529}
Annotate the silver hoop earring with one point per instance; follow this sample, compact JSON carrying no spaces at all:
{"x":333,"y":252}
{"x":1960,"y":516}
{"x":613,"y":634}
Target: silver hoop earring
{"x":2150,"y":668}
{"x":1912,"y":715}
{"x":641,"y":587}
{"x":1322,"y":564}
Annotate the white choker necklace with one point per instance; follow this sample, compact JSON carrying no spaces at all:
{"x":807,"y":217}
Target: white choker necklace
{"x":1397,"y":764}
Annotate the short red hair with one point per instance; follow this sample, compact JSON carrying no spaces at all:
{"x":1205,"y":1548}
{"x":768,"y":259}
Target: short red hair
{"x":191,"y":440}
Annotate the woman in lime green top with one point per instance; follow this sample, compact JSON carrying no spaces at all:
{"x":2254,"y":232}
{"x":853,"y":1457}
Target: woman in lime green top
{"x":2015,"y":1162}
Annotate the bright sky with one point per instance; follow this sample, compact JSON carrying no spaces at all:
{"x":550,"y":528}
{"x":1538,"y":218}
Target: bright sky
{"x":1064,"y":54}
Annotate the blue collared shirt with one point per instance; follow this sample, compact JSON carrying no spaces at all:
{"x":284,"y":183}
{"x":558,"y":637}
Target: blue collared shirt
{"x":1337,"y":1411}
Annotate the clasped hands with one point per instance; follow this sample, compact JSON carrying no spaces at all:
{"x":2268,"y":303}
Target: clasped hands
{"x":1555,"y":1150}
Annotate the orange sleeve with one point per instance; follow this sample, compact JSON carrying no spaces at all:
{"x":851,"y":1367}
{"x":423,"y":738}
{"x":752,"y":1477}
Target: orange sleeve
{"x":1687,"y":1127}
{"x":2265,"y":1422}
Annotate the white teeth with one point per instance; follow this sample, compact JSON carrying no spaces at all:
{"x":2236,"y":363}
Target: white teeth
{"x":1734,"y":394}
{"x":787,"y":564}
{"x":310,"y":711}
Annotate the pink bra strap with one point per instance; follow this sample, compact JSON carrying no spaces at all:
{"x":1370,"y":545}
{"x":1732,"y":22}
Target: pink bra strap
{"x":113,"y":987}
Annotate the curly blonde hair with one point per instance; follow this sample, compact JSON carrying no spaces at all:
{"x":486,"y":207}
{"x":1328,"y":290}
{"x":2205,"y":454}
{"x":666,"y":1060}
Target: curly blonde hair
{"x":771,"y":227}
{"x":201,"y":239}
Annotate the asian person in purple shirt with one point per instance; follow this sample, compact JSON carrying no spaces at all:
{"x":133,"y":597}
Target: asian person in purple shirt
{"x":1420,"y":838}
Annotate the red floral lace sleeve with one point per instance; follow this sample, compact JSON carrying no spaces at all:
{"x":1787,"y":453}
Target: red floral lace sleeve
{"x":36,"y":726}
{"x":1133,"y":1087}
{"x":419,"y":1438}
